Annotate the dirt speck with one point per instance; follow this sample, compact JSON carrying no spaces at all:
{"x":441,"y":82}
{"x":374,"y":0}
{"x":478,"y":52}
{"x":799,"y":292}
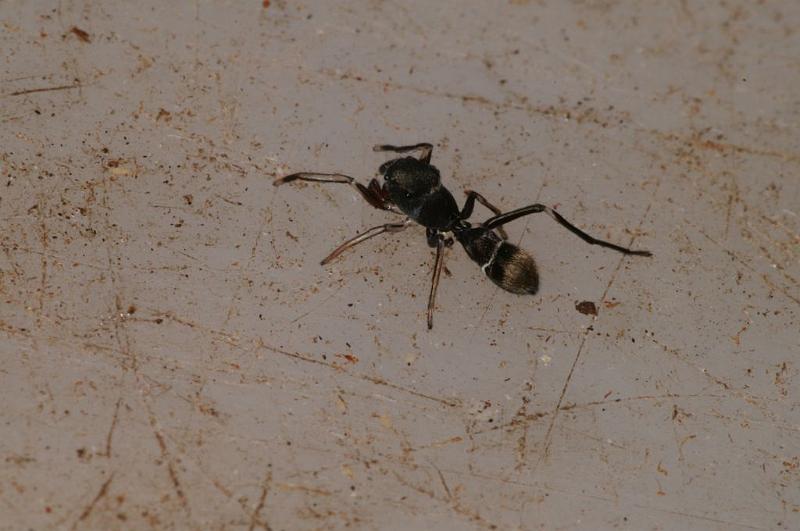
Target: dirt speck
{"x":586,"y":307}
{"x":163,"y":114}
{"x":81,"y":34}
{"x":349,"y":357}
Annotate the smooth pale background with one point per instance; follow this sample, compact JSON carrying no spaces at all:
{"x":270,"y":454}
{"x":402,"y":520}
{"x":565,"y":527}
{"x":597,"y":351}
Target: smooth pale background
{"x":174,"y":357}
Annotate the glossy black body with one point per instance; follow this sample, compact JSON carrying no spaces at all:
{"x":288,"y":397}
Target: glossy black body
{"x":415,"y":187}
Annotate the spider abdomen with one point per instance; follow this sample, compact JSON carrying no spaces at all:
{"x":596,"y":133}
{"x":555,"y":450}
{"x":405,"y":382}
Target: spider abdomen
{"x":513,"y":269}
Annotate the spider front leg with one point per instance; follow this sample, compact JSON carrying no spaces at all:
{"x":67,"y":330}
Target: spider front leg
{"x":469,"y":206}
{"x":502,"y":219}
{"x":372,"y":193}
{"x":364,"y":236}
{"x":425,"y":149}
{"x":437,"y":272}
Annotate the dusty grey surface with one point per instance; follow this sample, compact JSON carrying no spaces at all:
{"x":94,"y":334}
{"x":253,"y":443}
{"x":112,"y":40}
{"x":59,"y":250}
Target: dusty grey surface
{"x":174,"y":357}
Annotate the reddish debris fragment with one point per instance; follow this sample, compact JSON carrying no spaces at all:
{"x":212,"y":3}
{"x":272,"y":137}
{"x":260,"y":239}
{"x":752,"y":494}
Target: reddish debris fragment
{"x":82,"y":35}
{"x":586,"y":307}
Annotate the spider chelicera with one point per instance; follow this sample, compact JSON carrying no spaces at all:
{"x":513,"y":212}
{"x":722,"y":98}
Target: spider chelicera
{"x":413,"y":187}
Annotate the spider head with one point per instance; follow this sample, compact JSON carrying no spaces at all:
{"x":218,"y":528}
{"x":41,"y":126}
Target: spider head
{"x":410,"y":177}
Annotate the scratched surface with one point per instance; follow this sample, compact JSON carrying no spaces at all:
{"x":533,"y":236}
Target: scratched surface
{"x":174,"y":357}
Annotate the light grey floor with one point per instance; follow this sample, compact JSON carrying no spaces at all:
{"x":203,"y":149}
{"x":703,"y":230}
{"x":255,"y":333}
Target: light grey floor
{"x":174,"y":356}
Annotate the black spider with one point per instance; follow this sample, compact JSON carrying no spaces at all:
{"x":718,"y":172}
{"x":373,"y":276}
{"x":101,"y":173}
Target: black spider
{"x":414,"y":186}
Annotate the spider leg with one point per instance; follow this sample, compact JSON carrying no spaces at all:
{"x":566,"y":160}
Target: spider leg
{"x":425,"y":149}
{"x":502,"y":219}
{"x":437,"y":272}
{"x":469,"y":205}
{"x":364,"y":236}
{"x":372,"y":193}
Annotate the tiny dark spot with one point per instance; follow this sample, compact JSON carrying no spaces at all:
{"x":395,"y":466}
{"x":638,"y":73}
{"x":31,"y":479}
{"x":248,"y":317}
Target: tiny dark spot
{"x":586,"y":307}
{"x":81,"y":34}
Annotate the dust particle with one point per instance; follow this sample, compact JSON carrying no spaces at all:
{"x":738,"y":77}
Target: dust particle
{"x":586,"y":307}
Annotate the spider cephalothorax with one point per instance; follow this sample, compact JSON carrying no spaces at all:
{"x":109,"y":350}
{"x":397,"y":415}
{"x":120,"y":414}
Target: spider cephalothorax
{"x":413,"y":187}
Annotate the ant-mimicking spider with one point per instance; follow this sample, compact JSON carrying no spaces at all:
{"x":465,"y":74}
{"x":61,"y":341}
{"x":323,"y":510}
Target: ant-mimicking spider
{"x":414,"y":186}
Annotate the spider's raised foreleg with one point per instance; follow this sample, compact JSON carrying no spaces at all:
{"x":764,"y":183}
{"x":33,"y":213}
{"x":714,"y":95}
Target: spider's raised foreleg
{"x":437,"y":272}
{"x":364,"y":236}
{"x":502,"y":219}
{"x":372,"y":193}
{"x":425,"y":150}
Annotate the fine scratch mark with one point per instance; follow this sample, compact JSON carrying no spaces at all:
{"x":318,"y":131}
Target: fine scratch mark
{"x":318,"y":305}
{"x":100,"y":494}
{"x":265,"y":219}
{"x":476,"y":99}
{"x":615,"y":501}
{"x":45,"y":239}
{"x":772,"y":286}
{"x":454,"y":504}
{"x":111,"y":429}
{"x":697,"y":140}
{"x":255,"y":518}
{"x":777,"y":265}
{"x":173,"y":475}
{"x":438,"y":444}
{"x":307,"y":358}
{"x":45,"y":89}
{"x":701,"y":517}
{"x":57,"y":257}
{"x":374,"y":379}
{"x":548,"y":438}
{"x":562,"y":113}
{"x":444,"y":484}
{"x":131,"y":361}
{"x":737,"y":392}
{"x":522,"y":441}
{"x":229,"y":201}
{"x":728,"y":217}
{"x":745,"y":263}
{"x":225,"y":491}
{"x":304,"y":488}
{"x":549,"y":435}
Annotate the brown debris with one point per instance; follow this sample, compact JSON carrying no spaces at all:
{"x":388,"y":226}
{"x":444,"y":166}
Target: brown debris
{"x":586,"y":307}
{"x":81,"y":34}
